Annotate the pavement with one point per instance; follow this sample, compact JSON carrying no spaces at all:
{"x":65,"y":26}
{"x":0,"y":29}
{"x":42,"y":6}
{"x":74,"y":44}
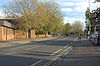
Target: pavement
{"x":84,"y":53}
{"x":34,"y":53}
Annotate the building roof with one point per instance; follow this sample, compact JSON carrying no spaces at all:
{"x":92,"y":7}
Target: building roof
{"x":6,"y":22}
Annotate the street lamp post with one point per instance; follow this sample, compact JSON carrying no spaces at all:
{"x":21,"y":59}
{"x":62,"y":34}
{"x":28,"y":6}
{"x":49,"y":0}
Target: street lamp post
{"x":89,"y":4}
{"x":89,"y":18}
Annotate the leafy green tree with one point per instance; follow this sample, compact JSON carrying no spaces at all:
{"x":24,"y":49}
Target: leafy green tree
{"x":52,"y":17}
{"x":24,"y":11}
{"x":92,"y":17}
{"x":68,"y":28}
{"x":44,"y":17}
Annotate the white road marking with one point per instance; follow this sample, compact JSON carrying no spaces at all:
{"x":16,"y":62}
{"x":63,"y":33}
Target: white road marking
{"x":70,"y":49}
{"x":8,"y":53}
{"x":67,"y":52}
{"x":69,"y":44}
{"x":66,"y":46}
{"x":56,"y":51}
{"x":36,"y":63}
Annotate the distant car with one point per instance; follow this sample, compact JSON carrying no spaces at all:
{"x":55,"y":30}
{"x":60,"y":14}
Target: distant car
{"x":91,"y":35}
{"x":94,"y":35}
{"x":59,"y":34}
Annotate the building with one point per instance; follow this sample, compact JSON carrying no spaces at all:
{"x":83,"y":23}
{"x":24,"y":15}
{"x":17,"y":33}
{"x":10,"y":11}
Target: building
{"x":8,"y":31}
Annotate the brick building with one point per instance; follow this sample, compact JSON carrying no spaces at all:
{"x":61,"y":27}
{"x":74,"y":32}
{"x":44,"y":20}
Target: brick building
{"x":8,"y":31}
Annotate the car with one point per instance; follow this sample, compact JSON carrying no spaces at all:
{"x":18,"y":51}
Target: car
{"x":91,"y":36}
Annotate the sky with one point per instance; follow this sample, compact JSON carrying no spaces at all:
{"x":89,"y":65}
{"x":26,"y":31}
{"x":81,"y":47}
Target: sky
{"x":72,"y":10}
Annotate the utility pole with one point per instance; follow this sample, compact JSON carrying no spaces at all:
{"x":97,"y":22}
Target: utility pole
{"x":89,"y":4}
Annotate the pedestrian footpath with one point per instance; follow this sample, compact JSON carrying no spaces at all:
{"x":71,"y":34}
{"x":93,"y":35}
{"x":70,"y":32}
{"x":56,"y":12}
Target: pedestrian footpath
{"x":84,"y":53}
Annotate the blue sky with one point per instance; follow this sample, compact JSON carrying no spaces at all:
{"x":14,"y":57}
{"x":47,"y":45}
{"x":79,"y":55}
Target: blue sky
{"x":71,"y":9}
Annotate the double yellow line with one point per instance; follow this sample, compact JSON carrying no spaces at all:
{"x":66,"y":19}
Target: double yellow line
{"x":60,"y":54}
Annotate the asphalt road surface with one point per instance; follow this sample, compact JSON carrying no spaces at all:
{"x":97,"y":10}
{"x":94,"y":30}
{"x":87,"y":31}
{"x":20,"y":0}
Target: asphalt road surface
{"x":62,"y":51}
{"x":84,"y":53}
{"x":35,"y":53}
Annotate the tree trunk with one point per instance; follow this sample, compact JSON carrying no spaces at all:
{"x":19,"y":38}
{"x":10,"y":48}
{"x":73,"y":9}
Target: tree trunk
{"x":46,"y":34}
{"x":27,"y":34}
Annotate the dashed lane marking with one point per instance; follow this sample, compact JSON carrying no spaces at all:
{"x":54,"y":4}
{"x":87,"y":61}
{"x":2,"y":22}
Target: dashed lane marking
{"x":36,"y":63}
{"x":56,"y":51}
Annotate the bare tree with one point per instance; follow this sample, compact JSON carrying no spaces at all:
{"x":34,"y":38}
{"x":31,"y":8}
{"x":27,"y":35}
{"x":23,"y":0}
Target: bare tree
{"x":77,"y":27}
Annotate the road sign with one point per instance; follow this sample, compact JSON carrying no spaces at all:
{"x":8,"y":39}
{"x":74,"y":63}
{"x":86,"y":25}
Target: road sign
{"x":87,"y":25}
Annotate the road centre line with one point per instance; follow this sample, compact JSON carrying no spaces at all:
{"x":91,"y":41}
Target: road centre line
{"x":56,"y":52}
{"x":64,"y":47}
{"x":63,"y":52}
{"x":42,"y":60}
{"x":36,"y":63}
{"x":67,"y":52}
{"x":55,"y":58}
{"x":67,"y":45}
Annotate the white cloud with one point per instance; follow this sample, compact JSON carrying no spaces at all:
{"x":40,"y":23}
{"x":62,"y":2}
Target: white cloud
{"x":73,"y":19}
{"x":72,"y":3}
{"x":80,"y":6}
{"x":83,"y":4}
{"x":66,"y":9}
{"x":80,"y":9}
{"x":1,"y":14}
{"x":67,"y":3}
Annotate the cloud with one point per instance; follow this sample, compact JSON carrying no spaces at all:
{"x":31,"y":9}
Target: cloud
{"x":1,"y":14}
{"x":73,"y":19}
{"x":66,"y":3}
{"x":80,"y":9}
{"x":80,"y":6}
{"x":83,"y":4}
{"x":66,"y":9}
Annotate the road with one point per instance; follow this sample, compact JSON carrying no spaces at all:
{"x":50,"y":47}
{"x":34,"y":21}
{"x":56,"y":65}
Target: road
{"x":35,"y":53}
{"x":62,"y":51}
{"x":84,"y":53}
